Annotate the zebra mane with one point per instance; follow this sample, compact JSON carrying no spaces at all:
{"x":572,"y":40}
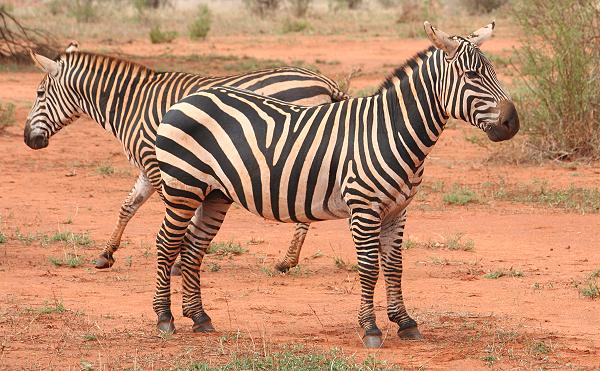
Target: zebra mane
{"x":97,"y":58}
{"x":400,"y":72}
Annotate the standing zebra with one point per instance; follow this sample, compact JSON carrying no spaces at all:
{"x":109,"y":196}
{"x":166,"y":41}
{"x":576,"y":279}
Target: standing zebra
{"x":361,"y":158}
{"x":128,"y":100}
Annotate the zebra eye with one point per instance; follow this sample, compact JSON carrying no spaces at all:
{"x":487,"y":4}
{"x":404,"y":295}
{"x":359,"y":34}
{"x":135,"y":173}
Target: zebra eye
{"x":40,"y":93}
{"x":471,"y":75}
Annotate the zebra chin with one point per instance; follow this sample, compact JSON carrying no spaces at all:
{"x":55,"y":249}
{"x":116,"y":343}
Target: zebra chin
{"x":508,"y":123}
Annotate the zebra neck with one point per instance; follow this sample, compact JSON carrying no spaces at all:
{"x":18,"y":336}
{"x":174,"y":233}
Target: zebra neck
{"x":111,"y":95}
{"x":416,"y":115}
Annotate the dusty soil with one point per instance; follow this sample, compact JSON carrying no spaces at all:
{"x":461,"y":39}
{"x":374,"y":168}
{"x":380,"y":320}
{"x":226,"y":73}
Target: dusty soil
{"x":539,"y":319}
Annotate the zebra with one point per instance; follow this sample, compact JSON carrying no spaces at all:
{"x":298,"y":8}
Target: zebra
{"x":128,"y":100}
{"x":361,"y":158}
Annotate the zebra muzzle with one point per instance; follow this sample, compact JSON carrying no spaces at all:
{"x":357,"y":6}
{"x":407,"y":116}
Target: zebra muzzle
{"x":35,"y":139}
{"x":508,"y":123}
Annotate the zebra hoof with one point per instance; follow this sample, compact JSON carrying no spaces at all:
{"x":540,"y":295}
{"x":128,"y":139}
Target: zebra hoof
{"x":283,"y":267}
{"x":410,"y":333}
{"x":166,"y":326}
{"x":176,"y":269}
{"x":372,"y":341}
{"x":203,"y":323}
{"x":104,"y":261}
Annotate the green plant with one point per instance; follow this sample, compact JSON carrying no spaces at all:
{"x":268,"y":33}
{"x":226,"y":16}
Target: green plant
{"x":590,"y":288}
{"x":295,"y":25}
{"x":340,"y":263}
{"x":226,"y":248}
{"x":89,"y":337}
{"x":70,"y":260}
{"x":3,"y":237}
{"x":201,"y":24}
{"x":560,"y":72}
{"x":54,"y":307}
{"x":538,"y":347}
{"x":460,"y":195}
{"x":503,"y":273}
{"x":456,"y":243}
{"x":79,"y":239}
{"x":295,"y":358}
{"x":213,"y":267}
{"x":105,"y":170}
{"x":7,"y":115}
{"x":161,"y":37}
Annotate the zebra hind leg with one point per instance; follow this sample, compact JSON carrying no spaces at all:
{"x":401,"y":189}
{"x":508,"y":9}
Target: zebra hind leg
{"x":391,"y":262}
{"x":365,"y":227}
{"x":291,"y":257}
{"x":168,"y":243}
{"x":140,"y":193}
{"x":206,"y":223}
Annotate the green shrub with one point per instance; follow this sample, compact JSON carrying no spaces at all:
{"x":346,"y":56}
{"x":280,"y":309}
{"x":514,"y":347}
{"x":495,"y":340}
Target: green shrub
{"x":262,"y":8}
{"x":299,"y":8}
{"x":389,"y":3}
{"x":161,"y":37}
{"x":295,"y":25}
{"x":460,"y":195}
{"x":201,"y":25}
{"x":560,"y":71}
{"x":7,"y":115}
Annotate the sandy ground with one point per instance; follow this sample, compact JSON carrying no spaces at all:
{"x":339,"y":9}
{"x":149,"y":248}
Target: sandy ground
{"x":468,"y":321}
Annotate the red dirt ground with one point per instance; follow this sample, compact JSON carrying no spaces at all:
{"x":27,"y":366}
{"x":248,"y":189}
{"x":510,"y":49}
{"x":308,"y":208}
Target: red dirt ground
{"x":468,"y":321}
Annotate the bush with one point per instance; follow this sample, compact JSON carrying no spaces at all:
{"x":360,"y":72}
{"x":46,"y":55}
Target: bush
{"x":482,"y":6}
{"x":7,"y":115}
{"x":159,"y":37}
{"x":295,"y":25}
{"x":299,"y":8}
{"x":560,"y":69}
{"x":201,"y":25}
{"x":262,"y":8}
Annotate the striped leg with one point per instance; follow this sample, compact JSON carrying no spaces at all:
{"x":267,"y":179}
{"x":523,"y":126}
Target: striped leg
{"x":365,"y":227}
{"x":392,"y":232}
{"x":168,"y":244}
{"x":140,"y":193}
{"x":291,"y":257}
{"x":206,"y":223}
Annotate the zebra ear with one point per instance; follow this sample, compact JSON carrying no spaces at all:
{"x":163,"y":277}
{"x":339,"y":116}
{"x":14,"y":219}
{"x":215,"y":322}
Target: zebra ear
{"x":45,"y":64}
{"x":441,"y":40}
{"x":73,"y":47}
{"x":481,"y":35}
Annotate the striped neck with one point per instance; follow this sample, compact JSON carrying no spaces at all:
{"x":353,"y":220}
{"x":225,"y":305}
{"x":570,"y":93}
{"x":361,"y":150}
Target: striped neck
{"x":412,"y":94}
{"x":107,"y":87}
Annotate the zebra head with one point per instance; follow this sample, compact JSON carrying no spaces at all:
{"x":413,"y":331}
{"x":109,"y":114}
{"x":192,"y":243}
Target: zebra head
{"x":55,"y":105}
{"x":469,"y":89}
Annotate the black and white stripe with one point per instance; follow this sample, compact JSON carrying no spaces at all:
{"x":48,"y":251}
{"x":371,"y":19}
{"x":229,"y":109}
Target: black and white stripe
{"x":128,"y":100}
{"x":361,"y":158}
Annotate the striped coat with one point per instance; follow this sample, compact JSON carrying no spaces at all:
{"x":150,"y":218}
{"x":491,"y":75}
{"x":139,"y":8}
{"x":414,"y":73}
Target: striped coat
{"x":362,"y":158}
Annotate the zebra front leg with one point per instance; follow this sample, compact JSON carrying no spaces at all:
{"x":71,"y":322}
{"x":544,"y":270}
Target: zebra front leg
{"x":392,"y":233}
{"x":365,"y":227}
{"x":140,"y":193}
{"x":291,"y":257}
{"x":206,"y":223}
{"x":168,"y":244}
